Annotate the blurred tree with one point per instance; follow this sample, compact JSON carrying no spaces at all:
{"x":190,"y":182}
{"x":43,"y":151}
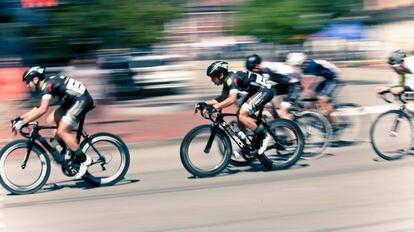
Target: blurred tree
{"x":288,"y":21}
{"x":73,"y":30}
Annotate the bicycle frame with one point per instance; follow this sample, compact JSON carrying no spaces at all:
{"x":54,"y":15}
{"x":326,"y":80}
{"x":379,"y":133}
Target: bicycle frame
{"x":35,"y":136}
{"x":219,"y":121}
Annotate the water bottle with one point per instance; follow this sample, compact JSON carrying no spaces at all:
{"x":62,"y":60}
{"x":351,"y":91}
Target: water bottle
{"x":57,"y":146}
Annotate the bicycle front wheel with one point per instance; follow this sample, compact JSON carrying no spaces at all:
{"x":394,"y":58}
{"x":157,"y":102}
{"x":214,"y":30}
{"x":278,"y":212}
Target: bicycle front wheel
{"x":317,"y":131}
{"x":286,"y":145}
{"x":27,"y":179}
{"x":110,"y":159}
{"x":391,"y":134}
{"x":202,"y":160}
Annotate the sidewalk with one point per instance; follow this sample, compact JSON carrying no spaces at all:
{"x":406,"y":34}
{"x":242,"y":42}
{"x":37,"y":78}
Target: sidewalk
{"x":133,"y":125}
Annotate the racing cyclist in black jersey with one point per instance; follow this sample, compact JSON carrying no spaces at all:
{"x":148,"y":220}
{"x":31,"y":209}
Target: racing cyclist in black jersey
{"x":76,"y":103}
{"x":259,"y":93}
{"x":283,"y":77}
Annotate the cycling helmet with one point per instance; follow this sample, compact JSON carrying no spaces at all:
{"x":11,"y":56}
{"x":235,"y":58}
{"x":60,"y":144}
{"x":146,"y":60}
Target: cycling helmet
{"x":397,"y":57}
{"x":218,"y":67}
{"x":33,"y":72}
{"x":252,"y":61}
{"x":295,"y":58}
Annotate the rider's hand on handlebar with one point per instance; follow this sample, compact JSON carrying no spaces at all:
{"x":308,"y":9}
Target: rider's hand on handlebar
{"x":17,"y":125}
{"x":199,"y":106}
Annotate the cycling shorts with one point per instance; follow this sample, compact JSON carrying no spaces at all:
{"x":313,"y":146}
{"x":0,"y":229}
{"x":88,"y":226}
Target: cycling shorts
{"x":73,"y":110}
{"x":258,"y":100}
{"x":292,"y":91}
{"x":326,"y":87}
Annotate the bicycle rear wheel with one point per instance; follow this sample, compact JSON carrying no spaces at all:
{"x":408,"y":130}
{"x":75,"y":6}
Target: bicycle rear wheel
{"x":391,"y":134}
{"x":23,"y":180}
{"x":200,"y":160}
{"x":317,"y":131}
{"x":286,"y":145}
{"x":110,"y":159}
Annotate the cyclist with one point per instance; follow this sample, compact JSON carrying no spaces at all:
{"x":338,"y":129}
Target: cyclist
{"x":259,"y":93}
{"x":318,"y":68}
{"x":404,"y":67}
{"x":76,"y":103}
{"x":282,"y":76}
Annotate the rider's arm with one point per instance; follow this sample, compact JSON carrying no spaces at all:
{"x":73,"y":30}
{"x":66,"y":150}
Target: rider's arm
{"x":37,"y":112}
{"x":29,"y":113}
{"x":232,"y":98}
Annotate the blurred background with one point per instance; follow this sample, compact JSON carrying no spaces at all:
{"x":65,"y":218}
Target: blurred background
{"x":144,"y":62}
{"x":137,"y":55}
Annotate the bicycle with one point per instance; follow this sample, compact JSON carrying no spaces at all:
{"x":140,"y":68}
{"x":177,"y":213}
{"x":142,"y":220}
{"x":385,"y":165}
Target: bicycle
{"x":31,"y":156}
{"x":315,"y":128}
{"x":285,"y":152}
{"x":399,"y":141}
{"x":345,"y":119}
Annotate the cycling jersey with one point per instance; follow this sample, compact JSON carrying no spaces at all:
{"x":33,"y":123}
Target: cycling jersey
{"x":283,"y":77}
{"x":76,"y":98}
{"x":325,"y":69}
{"x":243,"y":81}
{"x":279,"y":73}
{"x":320,"y":68}
{"x":259,"y":90}
{"x":63,"y":87}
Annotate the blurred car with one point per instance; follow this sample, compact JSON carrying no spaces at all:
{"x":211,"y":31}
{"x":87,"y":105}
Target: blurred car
{"x":119,"y":80}
{"x":160,"y":74}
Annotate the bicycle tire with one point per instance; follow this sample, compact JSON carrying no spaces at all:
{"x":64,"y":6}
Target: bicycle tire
{"x":311,"y":122}
{"x":120,"y":146}
{"x":299,"y":146}
{"x":195,"y":169}
{"x":44,"y":164}
{"x":375,"y":144}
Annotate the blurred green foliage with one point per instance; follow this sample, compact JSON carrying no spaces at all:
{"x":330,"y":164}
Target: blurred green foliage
{"x":74,"y":30}
{"x":288,"y":21}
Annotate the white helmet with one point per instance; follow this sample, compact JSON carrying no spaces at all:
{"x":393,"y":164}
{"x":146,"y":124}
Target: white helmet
{"x":295,"y":58}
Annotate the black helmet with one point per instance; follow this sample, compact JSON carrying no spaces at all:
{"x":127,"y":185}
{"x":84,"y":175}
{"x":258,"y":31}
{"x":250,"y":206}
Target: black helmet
{"x":33,"y":72}
{"x":218,"y":67}
{"x":252,"y":61}
{"x":397,"y":57}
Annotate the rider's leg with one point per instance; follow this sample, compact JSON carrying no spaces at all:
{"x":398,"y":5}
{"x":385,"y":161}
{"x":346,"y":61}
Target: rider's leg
{"x":284,"y":110}
{"x":54,"y":118}
{"x":64,"y":132}
{"x":325,"y":107}
{"x":324,"y":95}
{"x":68,"y":122}
{"x":254,"y":104}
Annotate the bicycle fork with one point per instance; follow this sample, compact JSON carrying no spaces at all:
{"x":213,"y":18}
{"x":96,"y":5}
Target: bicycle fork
{"x":29,"y":150}
{"x":396,"y":125}
{"x":211,"y":138}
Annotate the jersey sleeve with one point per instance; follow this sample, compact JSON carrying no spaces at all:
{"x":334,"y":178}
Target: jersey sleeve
{"x":232,"y":83}
{"x":47,"y":91}
{"x":230,"y":86}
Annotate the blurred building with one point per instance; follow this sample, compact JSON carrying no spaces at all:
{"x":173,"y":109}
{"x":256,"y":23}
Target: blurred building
{"x":391,"y":24}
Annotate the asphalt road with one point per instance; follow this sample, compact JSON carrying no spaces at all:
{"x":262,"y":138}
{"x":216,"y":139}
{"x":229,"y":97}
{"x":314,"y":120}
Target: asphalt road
{"x":348,"y":189}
